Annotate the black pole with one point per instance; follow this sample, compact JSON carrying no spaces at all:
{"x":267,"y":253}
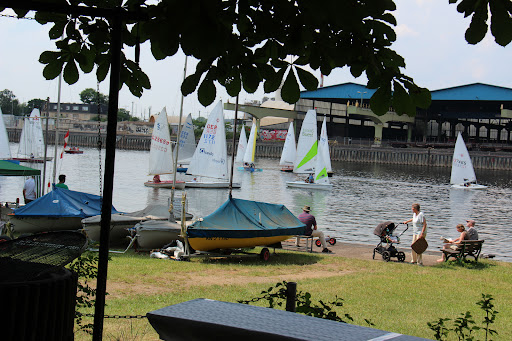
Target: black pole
{"x":110,"y":154}
{"x":233,"y":149}
{"x":291,"y":294}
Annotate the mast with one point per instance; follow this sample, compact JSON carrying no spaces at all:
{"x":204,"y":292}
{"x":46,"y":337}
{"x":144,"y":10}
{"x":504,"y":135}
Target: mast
{"x":177,"y":149}
{"x":56,"y":132}
{"x":45,"y":144}
{"x":233,"y":149}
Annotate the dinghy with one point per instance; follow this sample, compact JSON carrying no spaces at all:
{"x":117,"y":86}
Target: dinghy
{"x":250,"y":150}
{"x":187,"y":144}
{"x":60,"y":209}
{"x":31,"y":147}
{"x":160,"y":155}
{"x":289,"y":151}
{"x":463,"y":175}
{"x":242,"y":223}
{"x":210,"y":158}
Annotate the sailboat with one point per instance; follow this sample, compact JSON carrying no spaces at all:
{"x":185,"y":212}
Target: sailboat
{"x":160,"y":154}
{"x":242,"y":146}
{"x":310,"y":156}
{"x":187,"y":142}
{"x":5,"y":150}
{"x":323,"y":144}
{"x":250,"y":151}
{"x":463,"y":175}
{"x":242,"y":223}
{"x":31,"y":147}
{"x":289,"y":151}
{"x":210,"y":158}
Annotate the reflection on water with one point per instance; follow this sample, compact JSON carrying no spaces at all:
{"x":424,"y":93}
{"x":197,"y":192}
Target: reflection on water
{"x":363,"y":196}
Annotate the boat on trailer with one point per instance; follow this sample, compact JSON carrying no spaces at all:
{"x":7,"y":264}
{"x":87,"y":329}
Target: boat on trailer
{"x":240,"y":223}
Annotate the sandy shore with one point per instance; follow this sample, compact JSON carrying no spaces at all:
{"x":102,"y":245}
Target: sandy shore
{"x":364,"y":251}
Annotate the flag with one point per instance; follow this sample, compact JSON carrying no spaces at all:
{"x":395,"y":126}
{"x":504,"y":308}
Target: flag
{"x":66,"y":138}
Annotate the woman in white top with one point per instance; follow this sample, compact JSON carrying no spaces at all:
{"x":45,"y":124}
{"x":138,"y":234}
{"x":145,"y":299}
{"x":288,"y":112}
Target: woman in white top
{"x":419,"y":230}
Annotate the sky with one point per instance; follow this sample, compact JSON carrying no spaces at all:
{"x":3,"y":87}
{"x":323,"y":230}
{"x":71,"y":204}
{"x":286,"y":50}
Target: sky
{"x":430,"y":36}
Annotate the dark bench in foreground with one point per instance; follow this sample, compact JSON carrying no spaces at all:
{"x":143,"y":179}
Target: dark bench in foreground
{"x":466,"y":248}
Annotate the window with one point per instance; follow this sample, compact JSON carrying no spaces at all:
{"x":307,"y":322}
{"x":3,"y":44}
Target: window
{"x":68,"y":107}
{"x":55,"y":107}
{"x":85,"y":108}
{"x":76,"y":107}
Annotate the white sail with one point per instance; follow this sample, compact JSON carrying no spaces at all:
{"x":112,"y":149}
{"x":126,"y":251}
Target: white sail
{"x":321,"y":176}
{"x":210,"y":157}
{"x":323,"y":145}
{"x":307,"y":145}
{"x":31,"y":140}
{"x":187,"y":141}
{"x":462,"y":167}
{"x":289,"y":148}
{"x":251,"y":143}
{"x":5,"y":150}
{"x":242,"y":145}
{"x":160,"y":153}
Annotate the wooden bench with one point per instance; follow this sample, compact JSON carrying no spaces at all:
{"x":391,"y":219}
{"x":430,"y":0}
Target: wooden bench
{"x":309,"y":242}
{"x":464,"y":249}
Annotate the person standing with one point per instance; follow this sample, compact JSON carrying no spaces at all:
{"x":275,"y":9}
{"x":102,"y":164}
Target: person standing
{"x":311,"y":228}
{"x":29,"y":190}
{"x":419,"y":230}
{"x":471,"y":231}
{"x":62,"y":180}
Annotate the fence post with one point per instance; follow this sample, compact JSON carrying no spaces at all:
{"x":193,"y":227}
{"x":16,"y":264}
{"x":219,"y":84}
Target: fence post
{"x":291,"y":294}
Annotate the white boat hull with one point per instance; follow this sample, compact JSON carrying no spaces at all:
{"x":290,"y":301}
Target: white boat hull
{"x":155,"y":234}
{"x":306,"y":185}
{"x":165,"y":184}
{"x":471,"y":186}
{"x":210,"y":184}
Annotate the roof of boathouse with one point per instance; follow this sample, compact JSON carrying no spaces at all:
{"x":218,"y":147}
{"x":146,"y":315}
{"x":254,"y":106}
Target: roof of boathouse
{"x":340,"y":93}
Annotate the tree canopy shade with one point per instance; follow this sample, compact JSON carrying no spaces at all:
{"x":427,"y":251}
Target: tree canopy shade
{"x":243,"y":43}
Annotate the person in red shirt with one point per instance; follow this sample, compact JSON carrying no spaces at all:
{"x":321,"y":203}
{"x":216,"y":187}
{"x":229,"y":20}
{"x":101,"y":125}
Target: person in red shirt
{"x":311,"y":228}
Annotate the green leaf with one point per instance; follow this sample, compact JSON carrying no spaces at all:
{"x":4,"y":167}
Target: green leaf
{"x":290,"y":91}
{"x":233,"y":85}
{"x":206,"y":92}
{"x":70,"y":72}
{"x":402,"y":102}
{"x":250,"y":78}
{"x":57,"y":30}
{"x":381,"y":100}
{"x":190,"y":84}
{"x":85,"y":60}
{"x":48,"y":56}
{"x":102,"y":70}
{"x":53,"y":69}
{"x":273,"y":81}
{"x":421,"y":97}
{"x":308,"y":80}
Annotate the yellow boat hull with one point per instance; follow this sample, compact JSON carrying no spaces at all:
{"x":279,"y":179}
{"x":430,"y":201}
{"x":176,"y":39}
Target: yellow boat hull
{"x":212,"y":243}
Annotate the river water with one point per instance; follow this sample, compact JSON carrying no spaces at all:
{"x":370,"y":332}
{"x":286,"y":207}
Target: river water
{"x":363,"y":196}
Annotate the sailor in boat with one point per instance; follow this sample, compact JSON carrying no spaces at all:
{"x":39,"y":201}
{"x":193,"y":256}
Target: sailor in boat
{"x":310,"y":179}
{"x":311,"y":228}
{"x":156,"y":179}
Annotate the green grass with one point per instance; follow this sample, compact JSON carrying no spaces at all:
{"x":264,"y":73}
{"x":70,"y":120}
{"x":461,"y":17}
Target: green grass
{"x":396,"y":297}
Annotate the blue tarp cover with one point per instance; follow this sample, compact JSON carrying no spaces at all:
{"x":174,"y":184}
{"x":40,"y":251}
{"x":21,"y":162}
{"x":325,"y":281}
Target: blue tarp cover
{"x":63,"y":203}
{"x":238,"y":218}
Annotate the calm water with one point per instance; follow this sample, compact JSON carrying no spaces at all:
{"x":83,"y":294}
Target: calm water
{"x":363,"y":196}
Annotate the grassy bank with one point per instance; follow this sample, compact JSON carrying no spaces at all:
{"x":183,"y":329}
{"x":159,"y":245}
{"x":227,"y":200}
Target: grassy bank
{"x":396,"y":297}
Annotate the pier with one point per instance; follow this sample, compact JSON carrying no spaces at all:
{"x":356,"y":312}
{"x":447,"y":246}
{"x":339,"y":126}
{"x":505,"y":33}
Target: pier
{"x":495,"y":158}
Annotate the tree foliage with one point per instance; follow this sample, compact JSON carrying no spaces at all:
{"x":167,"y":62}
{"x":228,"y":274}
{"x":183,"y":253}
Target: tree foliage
{"x":124,"y":115}
{"x":91,"y":96}
{"x":242,"y":44}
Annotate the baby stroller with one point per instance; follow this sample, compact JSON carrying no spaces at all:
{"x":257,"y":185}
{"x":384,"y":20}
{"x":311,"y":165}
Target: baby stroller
{"x":385,"y":232}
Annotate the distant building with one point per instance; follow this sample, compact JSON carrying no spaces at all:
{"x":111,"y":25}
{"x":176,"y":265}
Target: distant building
{"x":78,"y":111}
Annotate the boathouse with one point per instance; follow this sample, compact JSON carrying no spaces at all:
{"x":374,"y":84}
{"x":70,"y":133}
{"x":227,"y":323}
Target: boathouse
{"x":482,"y":112}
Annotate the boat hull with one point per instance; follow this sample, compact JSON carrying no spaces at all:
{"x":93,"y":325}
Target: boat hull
{"x":165,"y":184}
{"x":212,"y":243}
{"x":212,"y":184}
{"x":38,"y":224}
{"x":306,"y":185}
{"x":287,"y":169}
{"x":30,"y":160}
{"x":74,"y":151}
{"x":470,"y":187}
{"x":156,"y":234}
{"x":248,"y":169}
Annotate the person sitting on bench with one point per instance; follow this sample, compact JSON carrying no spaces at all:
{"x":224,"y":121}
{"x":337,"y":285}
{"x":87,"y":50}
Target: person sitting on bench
{"x":453,"y":244}
{"x":311,"y":228}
